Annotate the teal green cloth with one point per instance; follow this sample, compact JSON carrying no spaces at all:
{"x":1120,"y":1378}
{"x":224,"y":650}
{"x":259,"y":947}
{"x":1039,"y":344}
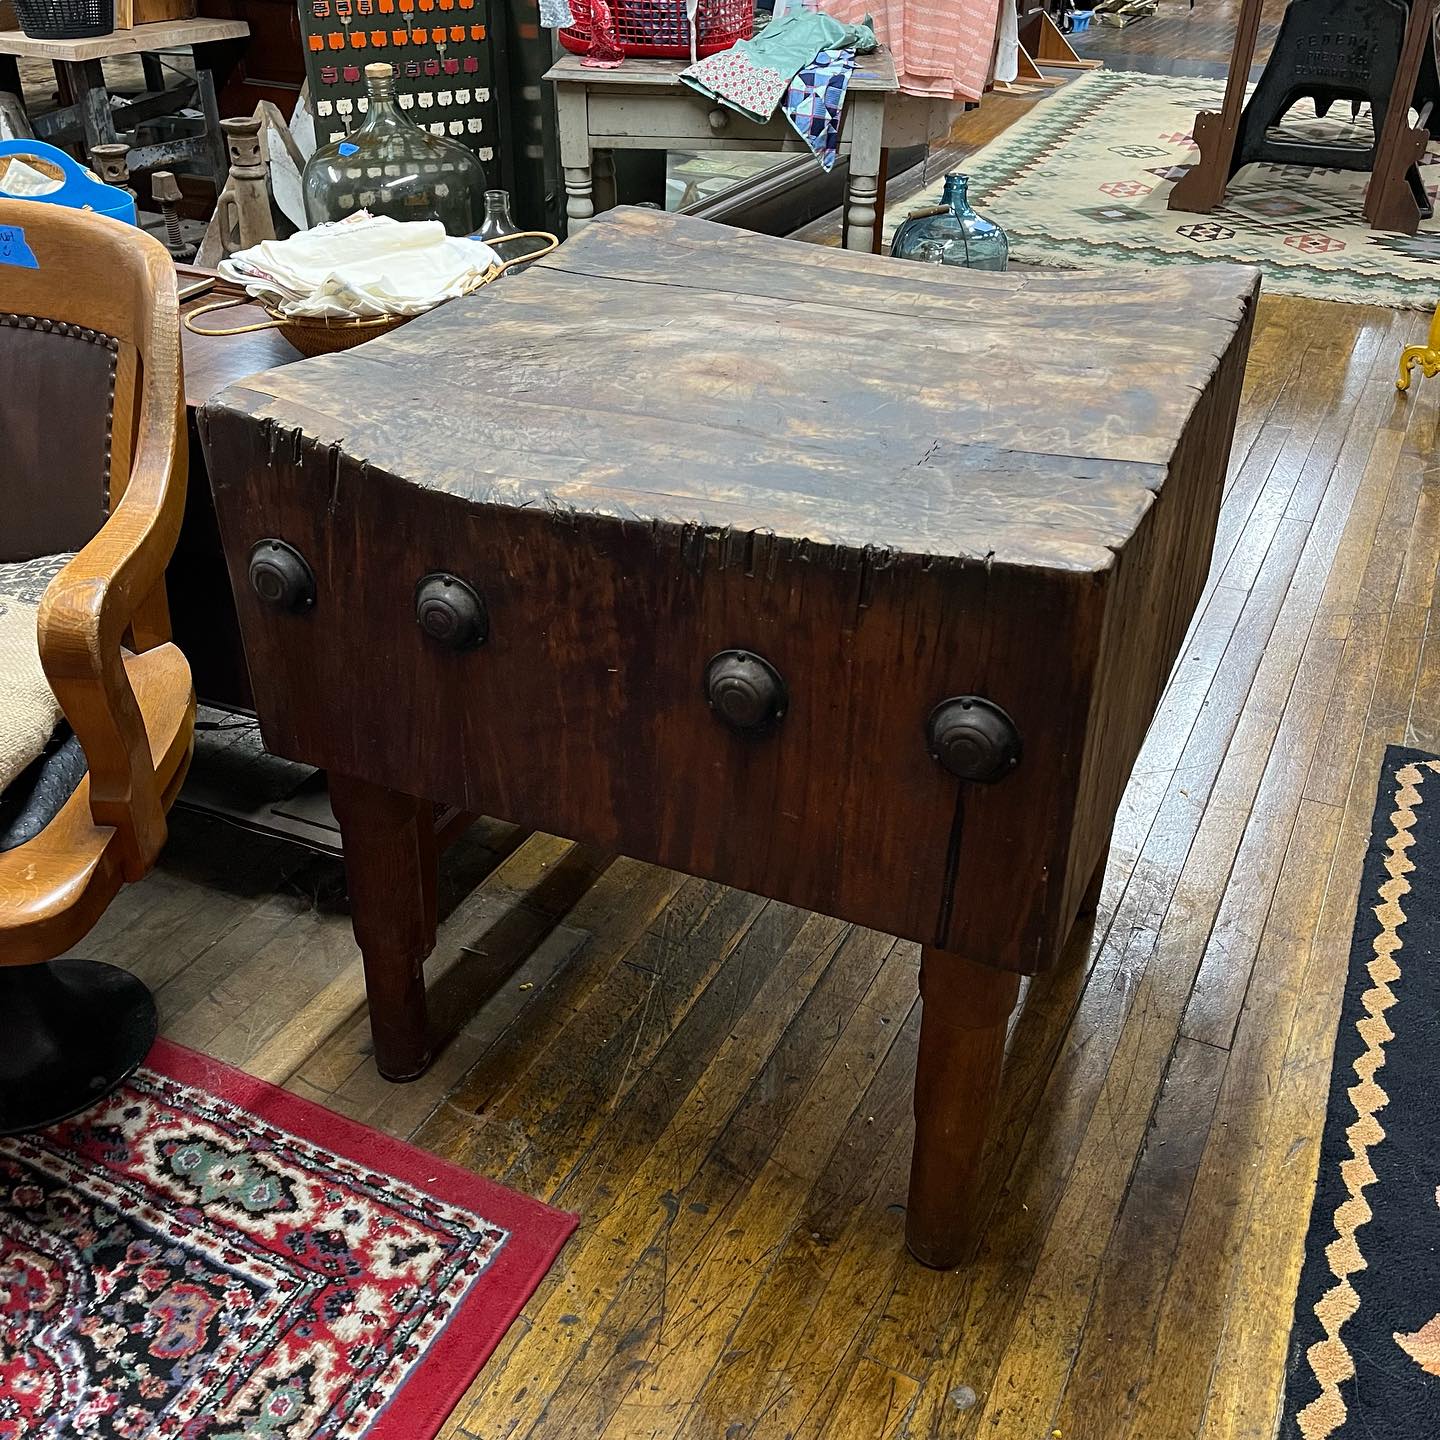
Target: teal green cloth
{"x":752,"y":76}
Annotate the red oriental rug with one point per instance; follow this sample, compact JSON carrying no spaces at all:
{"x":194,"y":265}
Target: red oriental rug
{"x":205,"y":1257}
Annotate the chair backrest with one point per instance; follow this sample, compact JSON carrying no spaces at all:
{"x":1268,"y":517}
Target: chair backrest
{"x":89,"y":336}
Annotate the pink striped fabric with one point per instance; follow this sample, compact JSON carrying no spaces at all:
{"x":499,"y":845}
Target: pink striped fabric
{"x":942,"y":48}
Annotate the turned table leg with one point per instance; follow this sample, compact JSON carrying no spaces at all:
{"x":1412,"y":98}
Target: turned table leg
{"x":866,"y":124}
{"x":957,"y":1082}
{"x":572,"y":117}
{"x":391,"y":862}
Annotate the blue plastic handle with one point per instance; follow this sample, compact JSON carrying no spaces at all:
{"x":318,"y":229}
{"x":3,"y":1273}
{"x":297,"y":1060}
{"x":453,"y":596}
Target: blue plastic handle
{"x":78,"y":189}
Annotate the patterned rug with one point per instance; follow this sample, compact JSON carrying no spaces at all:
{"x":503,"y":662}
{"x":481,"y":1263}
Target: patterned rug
{"x":204,"y":1257}
{"x":1365,"y":1348}
{"x":1082,"y":180}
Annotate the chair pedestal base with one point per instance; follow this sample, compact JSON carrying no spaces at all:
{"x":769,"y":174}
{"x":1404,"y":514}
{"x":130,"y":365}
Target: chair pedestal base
{"x":70,"y":1032}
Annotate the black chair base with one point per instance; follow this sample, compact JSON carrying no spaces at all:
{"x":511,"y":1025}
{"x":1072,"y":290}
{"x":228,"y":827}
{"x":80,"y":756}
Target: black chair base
{"x":71,"y":1031}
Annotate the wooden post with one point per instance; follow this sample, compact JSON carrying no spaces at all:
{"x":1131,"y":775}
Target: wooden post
{"x":1202,"y":187}
{"x":391,"y":866}
{"x":1390,"y":201}
{"x":957,"y":1082}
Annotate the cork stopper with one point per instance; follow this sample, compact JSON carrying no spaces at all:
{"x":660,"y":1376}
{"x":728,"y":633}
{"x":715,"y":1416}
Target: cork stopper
{"x":380,"y":79}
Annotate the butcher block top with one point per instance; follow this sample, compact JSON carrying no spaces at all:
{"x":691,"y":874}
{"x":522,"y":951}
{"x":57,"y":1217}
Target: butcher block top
{"x":665,"y":370}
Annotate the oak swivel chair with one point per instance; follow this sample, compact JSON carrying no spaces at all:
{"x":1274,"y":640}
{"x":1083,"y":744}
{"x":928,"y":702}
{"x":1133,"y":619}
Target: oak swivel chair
{"x":92,"y":464}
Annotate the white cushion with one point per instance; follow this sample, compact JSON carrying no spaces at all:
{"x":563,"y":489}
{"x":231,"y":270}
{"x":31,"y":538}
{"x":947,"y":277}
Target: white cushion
{"x":29,"y":711}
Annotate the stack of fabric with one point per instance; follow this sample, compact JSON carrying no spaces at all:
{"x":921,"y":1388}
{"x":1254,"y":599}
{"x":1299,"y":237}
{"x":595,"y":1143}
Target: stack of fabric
{"x":801,"y":63}
{"x":942,"y":48}
{"x":365,"y":265}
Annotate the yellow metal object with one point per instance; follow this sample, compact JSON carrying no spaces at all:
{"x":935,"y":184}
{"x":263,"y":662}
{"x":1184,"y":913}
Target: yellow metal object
{"x":1426,"y":356}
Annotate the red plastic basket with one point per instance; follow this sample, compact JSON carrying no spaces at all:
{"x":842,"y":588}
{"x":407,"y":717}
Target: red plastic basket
{"x":659,"y":29}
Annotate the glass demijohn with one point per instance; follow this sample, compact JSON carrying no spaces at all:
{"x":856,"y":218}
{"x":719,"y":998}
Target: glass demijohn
{"x":498,"y":223}
{"x":390,"y":167}
{"x":955,"y":235}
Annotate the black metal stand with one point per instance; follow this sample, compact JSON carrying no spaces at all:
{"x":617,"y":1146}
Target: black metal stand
{"x":70,"y":1032}
{"x":1327,"y":50}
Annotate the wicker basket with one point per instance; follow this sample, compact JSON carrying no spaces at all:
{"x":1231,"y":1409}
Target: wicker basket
{"x":325,"y":337}
{"x":65,"y":19}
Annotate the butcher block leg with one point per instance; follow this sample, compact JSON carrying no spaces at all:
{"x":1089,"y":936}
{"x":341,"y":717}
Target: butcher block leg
{"x":1090,"y":902}
{"x":391,"y":869}
{"x":957,"y":1081}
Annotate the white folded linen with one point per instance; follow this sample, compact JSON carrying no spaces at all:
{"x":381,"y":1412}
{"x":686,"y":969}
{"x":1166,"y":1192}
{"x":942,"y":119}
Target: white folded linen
{"x":362,"y":266}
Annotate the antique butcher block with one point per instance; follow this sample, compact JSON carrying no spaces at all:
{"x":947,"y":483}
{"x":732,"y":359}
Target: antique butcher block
{"x":851,"y":582}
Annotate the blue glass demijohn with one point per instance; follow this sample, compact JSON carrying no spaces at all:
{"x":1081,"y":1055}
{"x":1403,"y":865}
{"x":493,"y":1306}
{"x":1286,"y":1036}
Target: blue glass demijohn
{"x":953,"y":233}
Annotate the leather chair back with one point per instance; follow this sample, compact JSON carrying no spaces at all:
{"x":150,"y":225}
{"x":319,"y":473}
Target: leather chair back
{"x":75,"y":329}
{"x":57,"y":396}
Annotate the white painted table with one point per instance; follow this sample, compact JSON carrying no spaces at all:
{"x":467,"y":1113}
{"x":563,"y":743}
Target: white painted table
{"x":642,"y":105}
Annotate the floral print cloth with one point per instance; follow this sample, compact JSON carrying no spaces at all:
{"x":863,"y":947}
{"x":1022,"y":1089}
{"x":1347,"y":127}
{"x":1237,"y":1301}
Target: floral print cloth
{"x":815,"y":102}
{"x":752,"y":76}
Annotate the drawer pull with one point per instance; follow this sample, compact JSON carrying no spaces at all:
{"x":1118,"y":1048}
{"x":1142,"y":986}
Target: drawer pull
{"x":745,"y":691}
{"x":973,"y":738}
{"x":280,"y":576}
{"x":450,"y":612}
{"x":719,"y":119}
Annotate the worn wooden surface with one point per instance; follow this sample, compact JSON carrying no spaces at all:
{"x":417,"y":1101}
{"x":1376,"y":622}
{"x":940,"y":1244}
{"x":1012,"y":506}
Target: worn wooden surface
{"x":739,"y":1148}
{"x":911,"y":405}
{"x":888,"y":532}
{"x":162,"y":35}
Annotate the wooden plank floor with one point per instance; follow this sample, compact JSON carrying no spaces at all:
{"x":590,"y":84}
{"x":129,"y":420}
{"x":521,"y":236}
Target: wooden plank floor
{"x":720,"y":1085}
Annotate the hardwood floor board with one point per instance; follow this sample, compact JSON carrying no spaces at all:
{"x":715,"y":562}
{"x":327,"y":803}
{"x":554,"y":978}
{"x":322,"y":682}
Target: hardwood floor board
{"x":876,"y":1401}
{"x":854,"y":964}
{"x":616,"y":910}
{"x":1172,"y":1394}
{"x":751,"y":1384}
{"x":690,"y":1009}
{"x":617,"y":1028}
{"x":1119,"y":1330}
{"x":1232,"y":945}
{"x":709,"y":1241}
{"x":867,"y":1244}
{"x":1422,"y":727}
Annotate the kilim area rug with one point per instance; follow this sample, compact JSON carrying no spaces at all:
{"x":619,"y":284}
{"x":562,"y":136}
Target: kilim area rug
{"x":1364,"y":1361}
{"x":205,"y":1257}
{"x":1082,"y":180}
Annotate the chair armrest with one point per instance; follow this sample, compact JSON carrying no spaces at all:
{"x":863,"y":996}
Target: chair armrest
{"x":90,"y":605}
